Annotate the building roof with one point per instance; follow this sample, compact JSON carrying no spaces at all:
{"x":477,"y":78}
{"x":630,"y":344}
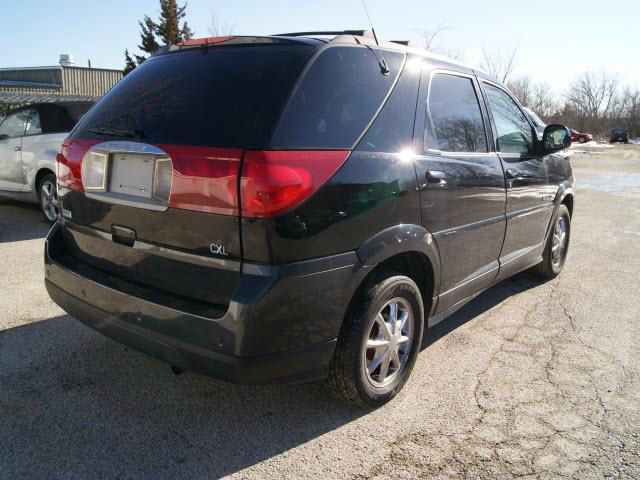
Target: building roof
{"x":55,"y":83}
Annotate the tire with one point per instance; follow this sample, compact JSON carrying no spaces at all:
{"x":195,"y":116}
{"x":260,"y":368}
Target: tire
{"x":349,"y":377}
{"x":581,"y":140}
{"x":553,"y":261}
{"x":48,"y":197}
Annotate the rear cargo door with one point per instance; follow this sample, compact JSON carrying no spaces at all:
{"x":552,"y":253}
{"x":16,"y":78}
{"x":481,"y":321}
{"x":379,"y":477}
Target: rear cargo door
{"x":149,"y":177}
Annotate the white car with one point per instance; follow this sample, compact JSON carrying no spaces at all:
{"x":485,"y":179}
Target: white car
{"x":30,"y":138}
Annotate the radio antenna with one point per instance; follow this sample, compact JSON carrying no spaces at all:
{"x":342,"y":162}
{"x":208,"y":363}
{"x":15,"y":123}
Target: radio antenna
{"x":384,"y":69}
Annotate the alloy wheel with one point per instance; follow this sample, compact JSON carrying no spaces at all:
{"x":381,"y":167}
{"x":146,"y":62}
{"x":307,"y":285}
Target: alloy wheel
{"x":49,"y":200}
{"x":389,"y":342}
{"x":559,"y":243}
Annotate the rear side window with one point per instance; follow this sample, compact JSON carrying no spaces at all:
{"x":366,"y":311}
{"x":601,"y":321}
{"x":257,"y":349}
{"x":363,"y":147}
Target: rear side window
{"x":513,"y":129}
{"x":392,"y":130}
{"x":455,"y":115}
{"x":223,"y":97}
{"x":54,"y":119}
{"x":337,"y":99}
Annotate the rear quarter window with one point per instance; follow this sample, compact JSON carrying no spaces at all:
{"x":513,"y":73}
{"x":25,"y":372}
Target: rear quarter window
{"x":336,"y":99}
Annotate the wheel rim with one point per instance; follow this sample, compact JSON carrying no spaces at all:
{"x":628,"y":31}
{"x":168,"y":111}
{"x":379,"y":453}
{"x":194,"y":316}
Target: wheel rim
{"x":388,"y":343}
{"x":49,"y":200}
{"x":559,"y":244}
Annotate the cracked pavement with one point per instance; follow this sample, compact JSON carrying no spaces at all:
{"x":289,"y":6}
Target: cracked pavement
{"x":530,"y":380}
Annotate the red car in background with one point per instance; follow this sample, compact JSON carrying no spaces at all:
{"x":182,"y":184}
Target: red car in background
{"x":580,"y":137}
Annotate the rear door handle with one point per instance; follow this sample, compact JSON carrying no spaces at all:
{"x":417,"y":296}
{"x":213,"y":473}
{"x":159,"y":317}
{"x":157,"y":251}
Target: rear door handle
{"x":17,"y":148}
{"x":436,"y":176}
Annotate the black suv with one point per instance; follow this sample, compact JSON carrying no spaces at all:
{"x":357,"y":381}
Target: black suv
{"x":288,"y":208}
{"x":619,"y":135}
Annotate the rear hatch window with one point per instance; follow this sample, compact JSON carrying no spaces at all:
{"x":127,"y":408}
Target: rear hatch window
{"x":225,"y":97}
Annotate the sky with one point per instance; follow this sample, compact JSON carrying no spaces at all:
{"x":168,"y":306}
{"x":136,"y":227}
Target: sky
{"x":555,"y":40}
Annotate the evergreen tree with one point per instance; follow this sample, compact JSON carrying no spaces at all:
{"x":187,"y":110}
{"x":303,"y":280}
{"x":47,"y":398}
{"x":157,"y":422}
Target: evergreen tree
{"x":166,"y":31}
{"x":148,"y":42}
{"x":168,"y":28}
{"x":130,"y":64}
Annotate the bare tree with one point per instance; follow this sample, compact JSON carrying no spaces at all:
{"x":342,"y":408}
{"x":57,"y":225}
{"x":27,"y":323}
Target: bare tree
{"x":594,"y":94}
{"x":631,"y":110}
{"x":500,"y":63}
{"x":219,"y":27}
{"x":543,"y":101}
{"x":522,"y":88}
{"x":430,"y":36}
{"x":430,"y":41}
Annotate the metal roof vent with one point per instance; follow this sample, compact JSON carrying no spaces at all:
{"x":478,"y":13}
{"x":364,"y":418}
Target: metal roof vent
{"x":66,"y":60}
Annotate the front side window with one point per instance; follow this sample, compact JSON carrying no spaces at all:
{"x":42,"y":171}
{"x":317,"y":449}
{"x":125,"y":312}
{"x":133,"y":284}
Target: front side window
{"x":14,"y":125}
{"x":455,"y":115}
{"x":33,"y":124}
{"x":514,"y":131}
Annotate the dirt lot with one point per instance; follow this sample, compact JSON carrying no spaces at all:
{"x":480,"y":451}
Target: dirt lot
{"x":531,"y":379}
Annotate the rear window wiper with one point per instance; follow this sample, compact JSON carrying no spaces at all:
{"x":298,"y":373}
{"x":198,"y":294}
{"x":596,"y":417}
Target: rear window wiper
{"x":113,"y":132}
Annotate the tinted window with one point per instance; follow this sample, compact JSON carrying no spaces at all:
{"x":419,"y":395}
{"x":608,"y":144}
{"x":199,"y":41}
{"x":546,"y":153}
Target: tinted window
{"x":455,"y":115}
{"x":33,"y":125}
{"x":14,"y":124}
{"x":336,"y":99}
{"x":224,"y":97}
{"x":392,"y":130}
{"x":514,"y":131}
{"x":55,"y":118}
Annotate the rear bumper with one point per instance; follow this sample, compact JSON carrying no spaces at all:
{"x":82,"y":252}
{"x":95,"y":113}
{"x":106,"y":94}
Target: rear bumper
{"x":281,"y":325}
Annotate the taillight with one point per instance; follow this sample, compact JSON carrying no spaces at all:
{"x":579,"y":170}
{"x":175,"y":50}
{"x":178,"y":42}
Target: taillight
{"x":204,"y":179}
{"x":273,"y":182}
{"x":69,"y":162}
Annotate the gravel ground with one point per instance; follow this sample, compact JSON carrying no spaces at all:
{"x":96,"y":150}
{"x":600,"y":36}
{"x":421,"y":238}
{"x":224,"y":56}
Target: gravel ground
{"x":531,"y":379}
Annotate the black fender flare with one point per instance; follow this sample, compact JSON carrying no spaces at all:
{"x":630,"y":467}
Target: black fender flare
{"x":399,"y":239}
{"x":564,"y":189}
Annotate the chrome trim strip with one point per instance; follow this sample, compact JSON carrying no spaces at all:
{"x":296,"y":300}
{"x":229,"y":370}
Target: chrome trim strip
{"x":152,"y":249}
{"x":123,"y":146}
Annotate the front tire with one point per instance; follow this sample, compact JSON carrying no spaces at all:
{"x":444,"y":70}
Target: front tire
{"x":555,"y":252}
{"x":581,"y":140}
{"x":48,"y":197}
{"x":379,"y":342}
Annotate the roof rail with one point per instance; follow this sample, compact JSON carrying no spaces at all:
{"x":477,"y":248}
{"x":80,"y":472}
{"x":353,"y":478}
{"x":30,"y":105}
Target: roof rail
{"x":360,"y":33}
{"x":401,"y":42}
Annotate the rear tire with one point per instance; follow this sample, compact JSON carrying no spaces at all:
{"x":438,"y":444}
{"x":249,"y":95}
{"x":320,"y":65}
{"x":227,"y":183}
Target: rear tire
{"x":379,"y":342}
{"x":48,"y":197}
{"x":555,"y":252}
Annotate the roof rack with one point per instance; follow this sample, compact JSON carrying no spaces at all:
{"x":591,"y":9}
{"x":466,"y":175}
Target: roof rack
{"x":401,"y":42}
{"x":360,"y":33}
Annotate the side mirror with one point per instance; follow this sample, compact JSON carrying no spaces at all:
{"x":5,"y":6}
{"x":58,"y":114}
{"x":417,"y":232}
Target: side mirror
{"x":556,"y":137}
